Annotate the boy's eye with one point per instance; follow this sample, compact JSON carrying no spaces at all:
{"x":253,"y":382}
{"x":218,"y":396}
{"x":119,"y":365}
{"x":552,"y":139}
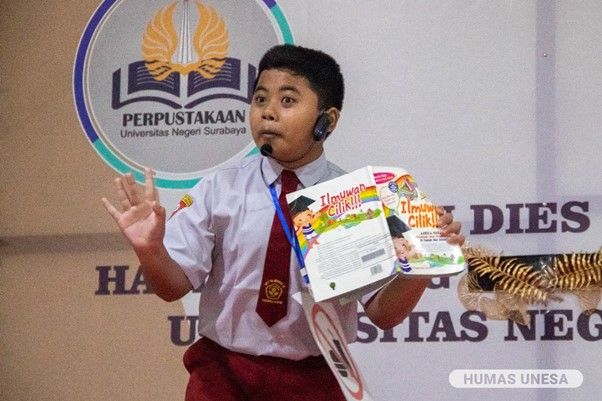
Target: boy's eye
{"x":259,"y":99}
{"x":288,"y":100}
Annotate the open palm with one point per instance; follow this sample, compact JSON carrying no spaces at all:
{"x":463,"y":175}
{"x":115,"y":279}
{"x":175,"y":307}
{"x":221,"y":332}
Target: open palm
{"x":142,"y":220}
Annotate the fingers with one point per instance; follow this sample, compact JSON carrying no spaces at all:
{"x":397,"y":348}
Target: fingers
{"x":456,"y":239}
{"x":452,"y":233}
{"x":159,"y":210}
{"x":446,"y":221}
{"x":445,"y":218}
{"x":128,"y":192}
{"x":131,"y":189}
{"x":122,"y":194}
{"x":453,"y":227}
{"x":111,"y":209}
{"x":449,"y":228}
{"x":150,"y":191}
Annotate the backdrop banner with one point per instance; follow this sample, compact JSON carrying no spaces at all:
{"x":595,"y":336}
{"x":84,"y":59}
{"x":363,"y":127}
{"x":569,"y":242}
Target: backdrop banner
{"x":480,"y":100}
{"x":494,"y":106}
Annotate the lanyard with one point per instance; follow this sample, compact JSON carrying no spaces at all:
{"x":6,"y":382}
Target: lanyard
{"x":290,"y":235}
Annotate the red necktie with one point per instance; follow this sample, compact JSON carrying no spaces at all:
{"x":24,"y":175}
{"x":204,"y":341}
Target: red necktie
{"x":273,"y":292}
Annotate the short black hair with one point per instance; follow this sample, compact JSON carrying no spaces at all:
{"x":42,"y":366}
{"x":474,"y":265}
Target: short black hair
{"x":320,"y":69}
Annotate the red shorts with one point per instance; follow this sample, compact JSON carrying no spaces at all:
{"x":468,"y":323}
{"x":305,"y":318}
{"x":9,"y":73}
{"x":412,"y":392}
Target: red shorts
{"x":217,"y":374}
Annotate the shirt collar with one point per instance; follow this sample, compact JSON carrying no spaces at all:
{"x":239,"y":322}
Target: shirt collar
{"x":309,"y":174}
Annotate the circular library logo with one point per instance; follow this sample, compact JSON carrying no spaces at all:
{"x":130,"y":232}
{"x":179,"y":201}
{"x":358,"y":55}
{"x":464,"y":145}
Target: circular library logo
{"x":168,"y":84}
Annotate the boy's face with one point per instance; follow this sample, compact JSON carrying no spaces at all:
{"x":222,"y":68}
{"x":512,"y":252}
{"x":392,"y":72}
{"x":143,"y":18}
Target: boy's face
{"x":284,"y":111}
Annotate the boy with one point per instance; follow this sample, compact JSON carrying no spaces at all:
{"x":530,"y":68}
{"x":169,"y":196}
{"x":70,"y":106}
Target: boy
{"x":218,"y":243}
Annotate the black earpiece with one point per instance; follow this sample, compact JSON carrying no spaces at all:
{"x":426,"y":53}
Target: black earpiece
{"x":321,"y":127}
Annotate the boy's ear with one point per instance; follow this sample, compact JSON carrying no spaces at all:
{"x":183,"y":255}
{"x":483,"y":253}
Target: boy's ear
{"x":333,"y":116}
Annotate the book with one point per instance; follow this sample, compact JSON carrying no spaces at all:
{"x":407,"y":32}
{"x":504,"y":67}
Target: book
{"x":412,"y":221}
{"x":364,"y":227}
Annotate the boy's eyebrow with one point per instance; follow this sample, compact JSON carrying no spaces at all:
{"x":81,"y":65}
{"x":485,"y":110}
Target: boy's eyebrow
{"x":289,"y":88}
{"x":285,"y":88}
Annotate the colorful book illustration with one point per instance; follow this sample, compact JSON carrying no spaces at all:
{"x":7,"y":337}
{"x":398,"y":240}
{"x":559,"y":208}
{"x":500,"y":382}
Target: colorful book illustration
{"x":365,"y":226}
{"x":412,"y":221}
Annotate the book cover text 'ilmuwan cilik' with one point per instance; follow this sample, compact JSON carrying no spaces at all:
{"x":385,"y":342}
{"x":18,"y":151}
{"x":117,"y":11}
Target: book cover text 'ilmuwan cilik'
{"x":342,"y":233}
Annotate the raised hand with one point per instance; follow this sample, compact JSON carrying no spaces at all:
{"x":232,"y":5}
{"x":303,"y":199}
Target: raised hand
{"x":142,"y":219}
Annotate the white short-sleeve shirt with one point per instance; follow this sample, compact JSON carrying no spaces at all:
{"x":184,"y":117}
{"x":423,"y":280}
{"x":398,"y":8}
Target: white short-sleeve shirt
{"x":220,"y":241}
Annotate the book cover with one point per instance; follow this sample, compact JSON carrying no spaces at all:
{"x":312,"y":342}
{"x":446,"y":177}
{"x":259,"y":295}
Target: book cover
{"x":342,"y":233}
{"x":412,"y":221}
{"x":365,"y":226}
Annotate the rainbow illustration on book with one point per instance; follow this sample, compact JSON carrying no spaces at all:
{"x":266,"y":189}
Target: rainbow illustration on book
{"x":406,"y":186}
{"x":342,"y":210}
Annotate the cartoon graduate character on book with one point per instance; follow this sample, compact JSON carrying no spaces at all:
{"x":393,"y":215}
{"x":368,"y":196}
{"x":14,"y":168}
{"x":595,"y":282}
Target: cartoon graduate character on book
{"x":403,"y":248}
{"x":302,"y":217}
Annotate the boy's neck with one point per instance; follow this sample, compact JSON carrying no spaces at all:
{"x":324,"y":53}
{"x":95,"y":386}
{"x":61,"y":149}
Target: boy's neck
{"x":314,"y":152}
{"x":304,"y":161}
{"x":308,"y":167}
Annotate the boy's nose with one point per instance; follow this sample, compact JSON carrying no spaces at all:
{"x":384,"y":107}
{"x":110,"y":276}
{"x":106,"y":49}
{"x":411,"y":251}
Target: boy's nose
{"x":268,"y":113}
{"x":268,"y":116}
